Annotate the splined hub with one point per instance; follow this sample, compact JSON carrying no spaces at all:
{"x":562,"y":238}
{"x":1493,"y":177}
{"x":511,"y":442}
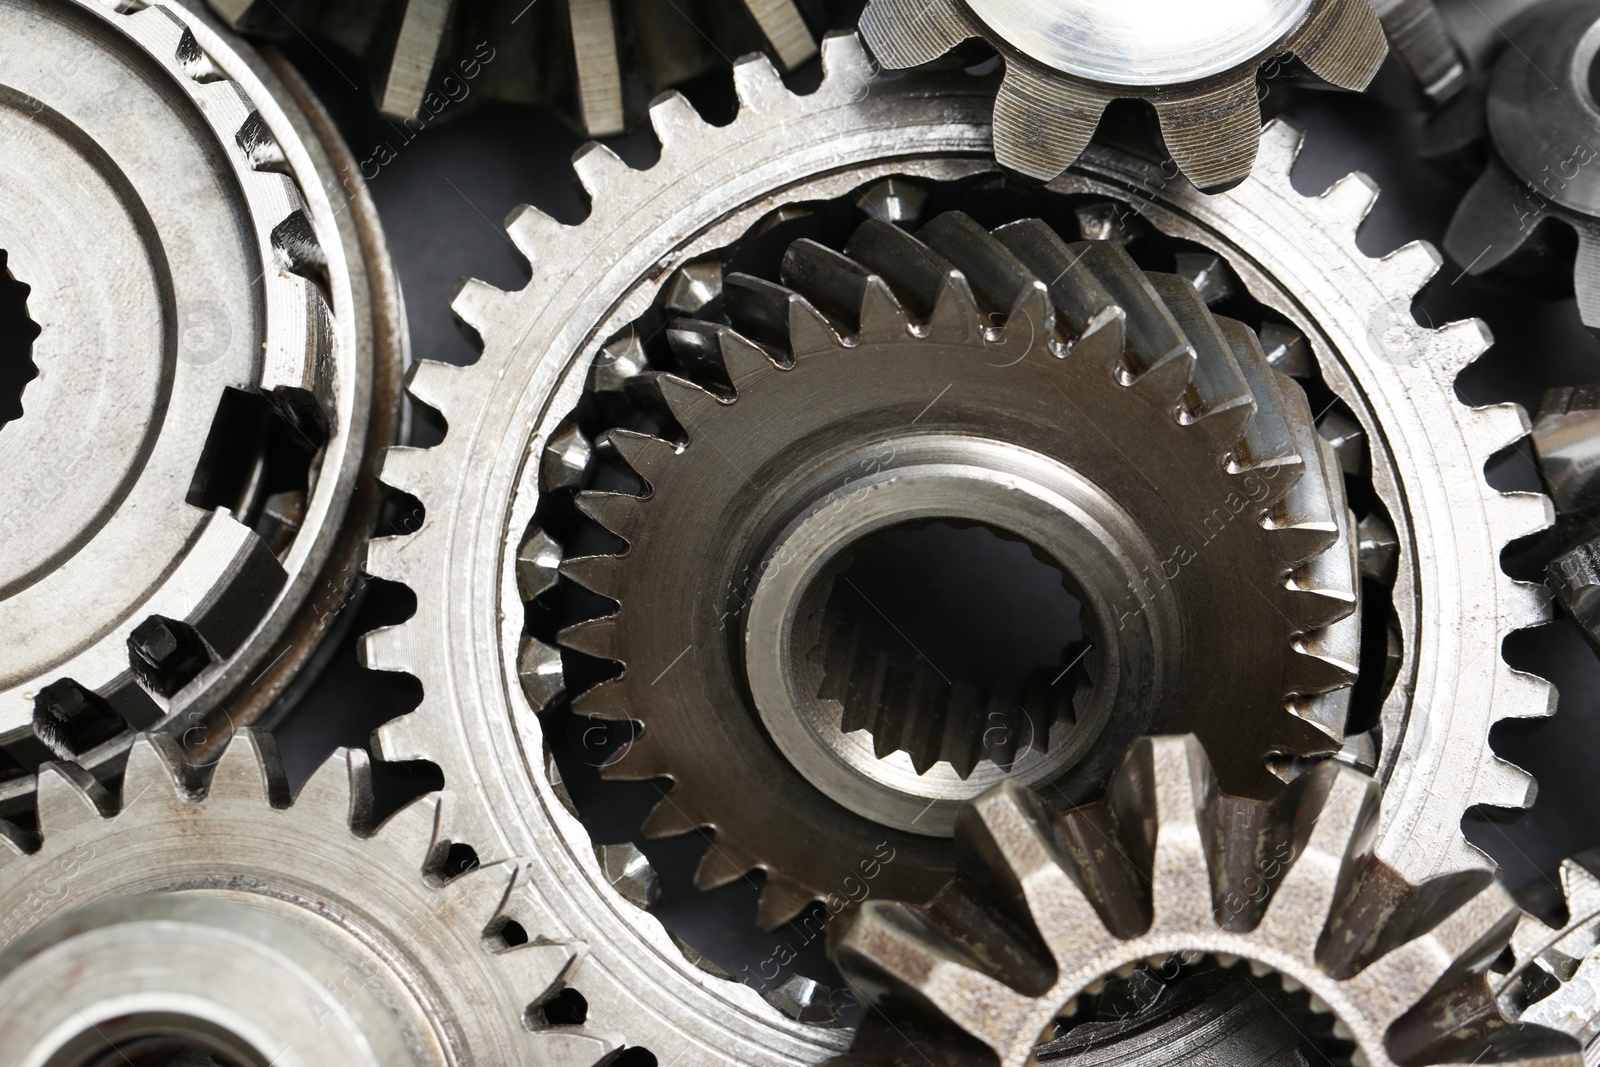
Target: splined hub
{"x":1212,"y":547}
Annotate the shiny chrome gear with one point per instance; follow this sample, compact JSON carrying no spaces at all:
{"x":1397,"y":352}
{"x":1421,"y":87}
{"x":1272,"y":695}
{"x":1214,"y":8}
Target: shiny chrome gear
{"x":1114,"y":424}
{"x":1543,"y":173}
{"x":185,"y":496}
{"x":596,"y":61}
{"x":1195,"y":64}
{"x":222,"y":919}
{"x":1554,"y":976}
{"x":480,"y":553}
{"x":1045,"y":908}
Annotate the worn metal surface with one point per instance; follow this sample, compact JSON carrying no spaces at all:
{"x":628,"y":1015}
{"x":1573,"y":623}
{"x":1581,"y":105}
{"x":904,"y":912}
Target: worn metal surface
{"x":1554,"y":976}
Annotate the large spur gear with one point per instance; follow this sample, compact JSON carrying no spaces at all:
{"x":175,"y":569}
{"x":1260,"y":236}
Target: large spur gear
{"x":1211,"y":546}
{"x":186,"y":492}
{"x":1045,"y":908}
{"x":480,"y":554}
{"x":221,"y":919}
{"x":1542,"y":177}
{"x":1196,"y":64}
{"x":596,"y":61}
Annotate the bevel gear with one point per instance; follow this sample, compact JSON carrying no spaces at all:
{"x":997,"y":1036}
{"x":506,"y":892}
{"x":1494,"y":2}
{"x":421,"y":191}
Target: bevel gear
{"x":481,"y":554}
{"x":1541,"y":182}
{"x":222,"y":918}
{"x":595,"y":61}
{"x":1116,"y":425}
{"x":1046,"y":907}
{"x":1196,"y":64}
{"x":186,"y":493}
{"x":1554,"y":974}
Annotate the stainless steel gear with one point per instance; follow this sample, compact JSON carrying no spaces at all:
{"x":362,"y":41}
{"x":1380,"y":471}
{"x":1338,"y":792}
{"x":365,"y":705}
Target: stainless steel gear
{"x":222,"y":918}
{"x":186,"y":492}
{"x":1115,"y":425}
{"x":596,"y":61}
{"x":1196,"y":64}
{"x":1539,"y":117}
{"x":1045,"y":908}
{"x":1554,"y":974}
{"x":480,"y":552}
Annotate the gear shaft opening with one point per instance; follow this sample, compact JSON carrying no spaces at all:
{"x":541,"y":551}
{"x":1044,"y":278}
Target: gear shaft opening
{"x":17,"y":334}
{"x":951,"y":643}
{"x":157,"y":1041}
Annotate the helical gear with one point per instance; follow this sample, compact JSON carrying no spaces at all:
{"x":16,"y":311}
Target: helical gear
{"x":1212,"y":545}
{"x":1045,"y":908}
{"x":225,"y":917}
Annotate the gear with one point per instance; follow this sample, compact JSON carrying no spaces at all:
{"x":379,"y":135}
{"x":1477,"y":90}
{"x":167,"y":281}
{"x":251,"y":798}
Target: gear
{"x":224,"y":919}
{"x":481,"y":553}
{"x":1418,"y":36}
{"x":596,"y":61}
{"x":186,"y":493}
{"x":1044,"y":908}
{"x":1554,"y":974}
{"x":1196,"y":66}
{"x":1543,"y":174}
{"x":1212,"y":545}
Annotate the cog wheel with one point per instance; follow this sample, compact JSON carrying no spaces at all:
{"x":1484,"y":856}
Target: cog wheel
{"x":1118,"y":427}
{"x":186,"y":493}
{"x":1554,"y":974}
{"x":1045,"y":908}
{"x":1541,"y":184}
{"x":595,"y":61}
{"x":223,"y":919}
{"x":1195,"y":65}
{"x":481,"y":554}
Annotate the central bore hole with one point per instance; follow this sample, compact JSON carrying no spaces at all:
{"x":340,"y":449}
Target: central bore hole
{"x":163,"y":1050}
{"x":952,"y":643}
{"x":17,"y":332}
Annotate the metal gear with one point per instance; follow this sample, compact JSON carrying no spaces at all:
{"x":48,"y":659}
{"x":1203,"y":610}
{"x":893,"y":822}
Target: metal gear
{"x":1418,"y":37}
{"x":480,"y":553}
{"x":1543,"y":170}
{"x":1045,"y":908}
{"x":1554,"y":974}
{"x":1212,"y":546}
{"x":185,"y":495}
{"x":596,"y":61}
{"x":222,"y":918}
{"x":1195,"y":64}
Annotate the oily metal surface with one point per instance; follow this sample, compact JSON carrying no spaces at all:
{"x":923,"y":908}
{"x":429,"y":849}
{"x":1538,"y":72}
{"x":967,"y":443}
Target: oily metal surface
{"x":480,"y":486}
{"x":1195,"y":63}
{"x":235,"y":271}
{"x":1045,"y":908}
{"x":224,"y":915}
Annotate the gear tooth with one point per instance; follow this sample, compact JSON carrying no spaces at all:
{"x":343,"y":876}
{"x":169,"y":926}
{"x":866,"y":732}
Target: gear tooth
{"x":1349,"y":200}
{"x":1281,"y":141}
{"x":1343,"y":43}
{"x":901,"y":40}
{"x":1455,"y":346}
{"x":539,"y":562}
{"x":781,"y":900}
{"x":1159,"y":355}
{"x":1266,"y":443}
{"x":1485,"y":231}
{"x":1520,"y":695}
{"x":68,"y":799}
{"x":994,"y":272}
{"x":433,"y":383}
{"x":1162,"y":790}
{"x":478,"y":894}
{"x":1496,"y":426}
{"x":565,"y":459}
{"x":757,"y":84}
{"x":592,"y":637}
{"x":1586,"y":274}
{"x":340,"y":788}
{"x":955,"y":317}
{"x":666,"y":819}
{"x":844,"y":61}
{"x":845,"y":289}
{"x":388,"y":648}
{"x":810,"y":333}
{"x":1309,"y":673}
{"x":675,"y":119}
{"x":534,"y":232}
{"x":645,"y":455}
{"x":603,"y":574}
{"x":535,"y":970}
{"x":404,"y":739}
{"x":1524,"y":604}
{"x":1335,"y":813}
{"x":619,"y":513}
{"x":1408,"y":268}
{"x":606,"y":700}
{"x":1504,"y":785}
{"x":1514,"y":516}
{"x":476,"y":304}
{"x":640,"y":760}
{"x":406,"y":468}
{"x":599,"y":169}
{"x":1222,"y":398}
{"x":539,"y":671}
{"x":1010,"y":842}
{"x":1214,"y":134}
{"x":915,"y":273}
{"x":743,"y":361}
{"x":386,"y":558}
{"x":155,"y":763}
{"x":671,"y":397}
{"x":250,"y":771}
{"x":722,"y":863}
{"x":1042,"y":124}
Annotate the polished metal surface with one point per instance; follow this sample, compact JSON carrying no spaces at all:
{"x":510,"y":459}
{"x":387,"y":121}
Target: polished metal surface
{"x":1195,"y":63}
{"x":225,"y":920}
{"x":1169,"y":871}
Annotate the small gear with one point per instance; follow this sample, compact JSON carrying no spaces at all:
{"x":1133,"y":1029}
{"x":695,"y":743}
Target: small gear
{"x":1417,"y":35}
{"x":1537,"y":115}
{"x":596,"y":61}
{"x":1212,"y":546}
{"x":186,"y":493}
{"x":222,"y":919}
{"x":1196,"y":64}
{"x":1554,"y":974}
{"x":1045,"y":908}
